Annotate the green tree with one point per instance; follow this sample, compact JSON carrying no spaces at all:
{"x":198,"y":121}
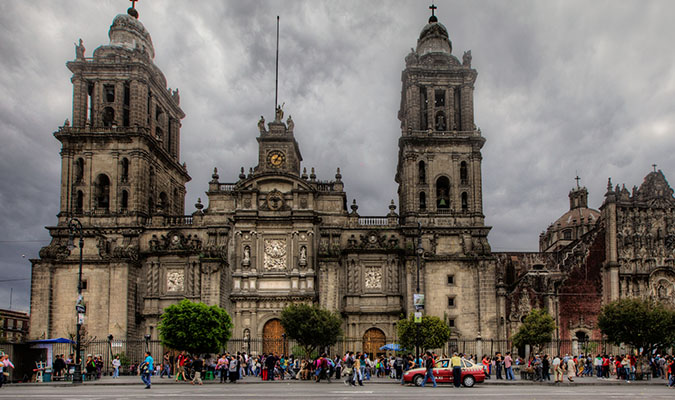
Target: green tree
{"x":434,"y":333}
{"x":536,"y":330}
{"x":643,"y":324}
{"x":311,"y":326}
{"x":195,"y":327}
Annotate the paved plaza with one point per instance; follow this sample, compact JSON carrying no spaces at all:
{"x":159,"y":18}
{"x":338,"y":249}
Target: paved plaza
{"x":132,"y":388}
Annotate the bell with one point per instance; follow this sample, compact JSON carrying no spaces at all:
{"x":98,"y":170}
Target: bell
{"x":442,"y":203}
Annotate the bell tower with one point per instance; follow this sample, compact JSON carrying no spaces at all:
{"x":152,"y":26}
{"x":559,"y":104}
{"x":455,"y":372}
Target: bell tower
{"x":439,"y":159}
{"x":120,"y":154}
{"x":278,"y":151}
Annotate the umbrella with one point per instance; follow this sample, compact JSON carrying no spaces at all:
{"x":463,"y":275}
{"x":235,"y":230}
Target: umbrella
{"x":391,"y":347}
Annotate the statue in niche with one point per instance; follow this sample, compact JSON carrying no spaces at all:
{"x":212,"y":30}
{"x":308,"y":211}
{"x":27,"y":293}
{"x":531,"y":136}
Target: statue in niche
{"x":303,"y":255}
{"x":466,"y":59}
{"x":79,"y":50}
{"x":261,"y":124}
{"x":246,"y":260}
{"x":440,"y":122}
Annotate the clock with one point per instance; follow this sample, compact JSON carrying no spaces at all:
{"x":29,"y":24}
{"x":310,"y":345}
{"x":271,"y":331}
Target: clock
{"x":276,"y":158}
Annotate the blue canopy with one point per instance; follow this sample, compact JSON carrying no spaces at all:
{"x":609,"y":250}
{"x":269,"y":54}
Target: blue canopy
{"x":391,"y":347}
{"x":57,"y":340}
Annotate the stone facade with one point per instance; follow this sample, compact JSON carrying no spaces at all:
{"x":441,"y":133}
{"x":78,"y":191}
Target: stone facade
{"x":276,"y":235}
{"x":625,"y":250}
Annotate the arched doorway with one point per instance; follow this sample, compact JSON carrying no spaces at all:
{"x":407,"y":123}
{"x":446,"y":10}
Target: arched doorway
{"x":274,"y":337}
{"x":373,"y":339}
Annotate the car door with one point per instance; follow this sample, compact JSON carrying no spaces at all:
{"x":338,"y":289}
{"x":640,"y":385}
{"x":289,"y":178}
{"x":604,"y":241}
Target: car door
{"x":442,"y":372}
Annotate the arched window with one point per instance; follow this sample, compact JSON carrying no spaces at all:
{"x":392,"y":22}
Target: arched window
{"x":79,"y":201}
{"x":79,"y":170}
{"x":176,"y":201}
{"x":423,"y":201}
{"x":108,"y":116}
{"x":125,"y":200}
{"x":567,"y":234}
{"x":151,"y":205}
{"x":465,"y":201}
{"x":463,"y":173}
{"x":443,"y":192}
{"x":125,"y":170}
{"x":422,"y":172}
{"x":102,"y":192}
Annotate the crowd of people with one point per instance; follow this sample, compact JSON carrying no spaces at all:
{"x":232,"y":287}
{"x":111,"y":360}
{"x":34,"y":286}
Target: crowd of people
{"x":626,"y":367}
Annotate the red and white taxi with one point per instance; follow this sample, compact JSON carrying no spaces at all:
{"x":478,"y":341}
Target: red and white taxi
{"x":471,"y":373}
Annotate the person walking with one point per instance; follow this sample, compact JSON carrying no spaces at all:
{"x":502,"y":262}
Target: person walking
{"x":508,"y":367}
{"x":180,"y":363}
{"x":456,"y":364}
{"x":146,"y":369}
{"x":571,"y":368}
{"x":234,"y":369}
{"x":166,"y":366}
{"x":349,"y":368}
{"x":429,"y":365}
{"x":116,"y":363}
{"x":197,"y":367}
{"x":557,"y":370}
{"x":358,"y":375}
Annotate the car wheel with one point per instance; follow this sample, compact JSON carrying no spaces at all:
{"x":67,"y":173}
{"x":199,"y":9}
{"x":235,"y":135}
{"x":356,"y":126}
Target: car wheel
{"x":469,"y":381}
{"x":418,"y":379}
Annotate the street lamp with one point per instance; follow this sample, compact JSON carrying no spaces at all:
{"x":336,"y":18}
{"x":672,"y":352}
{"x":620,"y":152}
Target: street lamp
{"x":419,"y":251}
{"x":75,"y":228}
{"x":147,"y":342}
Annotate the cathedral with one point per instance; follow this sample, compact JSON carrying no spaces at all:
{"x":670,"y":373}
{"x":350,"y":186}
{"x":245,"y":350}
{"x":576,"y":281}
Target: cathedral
{"x":276,"y":234}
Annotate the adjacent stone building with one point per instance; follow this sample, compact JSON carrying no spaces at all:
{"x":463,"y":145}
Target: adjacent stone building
{"x":275,"y":234}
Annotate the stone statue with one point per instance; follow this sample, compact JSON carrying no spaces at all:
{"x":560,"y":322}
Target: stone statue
{"x":247,"y":256}
{"x":290,"y":124}
{"x":466,"y":59}
{"x":261,"y":124}
{"x":440,"y":122}
{"x":79,"y":51}
{"x":279,"y":114}
{"x":176,"y":96}
{"x":303,"y":255}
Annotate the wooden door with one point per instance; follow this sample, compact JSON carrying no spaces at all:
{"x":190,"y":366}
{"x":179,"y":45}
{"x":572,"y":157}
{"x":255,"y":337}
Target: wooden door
{"x":373,"y":339}
{"x":273,"y":341}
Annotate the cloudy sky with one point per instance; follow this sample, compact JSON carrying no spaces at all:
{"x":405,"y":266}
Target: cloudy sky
{"x":564,"y":88}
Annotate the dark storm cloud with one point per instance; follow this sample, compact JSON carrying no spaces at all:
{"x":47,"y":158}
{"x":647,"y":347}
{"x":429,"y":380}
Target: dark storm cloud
{"x":564,"y":87}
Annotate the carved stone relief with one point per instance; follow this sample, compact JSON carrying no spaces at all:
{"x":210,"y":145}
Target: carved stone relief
{"x":275,"y":255}
{"x":175,"y":280}
{"x":373,"y":278}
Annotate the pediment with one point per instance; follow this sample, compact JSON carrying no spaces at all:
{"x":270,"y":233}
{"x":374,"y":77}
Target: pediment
{"x":276,"y":183}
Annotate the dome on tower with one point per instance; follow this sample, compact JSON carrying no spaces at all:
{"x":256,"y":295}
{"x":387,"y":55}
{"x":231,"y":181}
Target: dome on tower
{"x":434,"y":38}
{"x":571,"y":225}
{"x":128,"y":32}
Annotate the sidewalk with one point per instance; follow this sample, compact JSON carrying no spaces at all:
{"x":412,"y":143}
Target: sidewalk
{"x":136,"y":380}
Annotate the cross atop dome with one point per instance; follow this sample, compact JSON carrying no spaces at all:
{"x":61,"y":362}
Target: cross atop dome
{"x":433,"y":18}
{"x":132,"y":10}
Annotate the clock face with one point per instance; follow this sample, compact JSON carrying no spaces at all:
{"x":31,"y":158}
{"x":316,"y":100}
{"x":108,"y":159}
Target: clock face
{"x":276,"y":158}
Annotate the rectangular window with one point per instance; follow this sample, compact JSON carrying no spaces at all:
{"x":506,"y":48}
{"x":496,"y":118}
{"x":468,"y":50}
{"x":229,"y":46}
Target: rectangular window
{"x":451,"y":322}
{"x":84,"y":284}
{"x":109,"y":93}
{"x":439,"y":97}
{"x":451,"y":279}
{"x":451,"y":301}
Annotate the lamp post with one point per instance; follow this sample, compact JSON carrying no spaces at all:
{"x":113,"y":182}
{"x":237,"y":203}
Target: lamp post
{"x":147,"y":342}
{"x":419,"y":251}
{"x":75,"y":228}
